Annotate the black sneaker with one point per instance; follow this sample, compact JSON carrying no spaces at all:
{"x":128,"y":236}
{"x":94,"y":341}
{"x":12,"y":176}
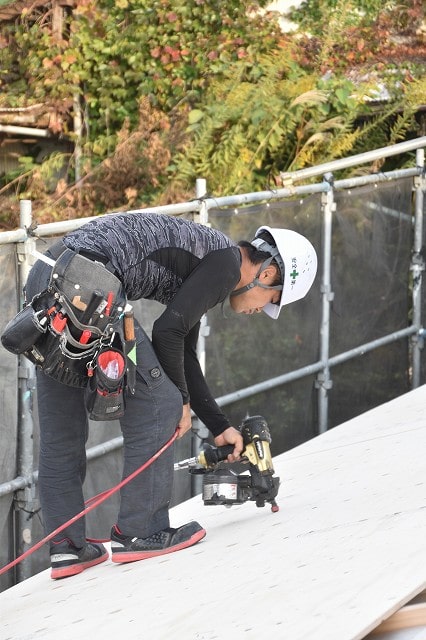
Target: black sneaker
{"x":66,"y":560}
{"x":128,"y":549}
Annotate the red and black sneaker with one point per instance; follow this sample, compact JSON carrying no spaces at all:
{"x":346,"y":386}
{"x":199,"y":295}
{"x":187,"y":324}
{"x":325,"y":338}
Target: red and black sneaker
{"x":129,"y":549}
{"x":67,"y":560}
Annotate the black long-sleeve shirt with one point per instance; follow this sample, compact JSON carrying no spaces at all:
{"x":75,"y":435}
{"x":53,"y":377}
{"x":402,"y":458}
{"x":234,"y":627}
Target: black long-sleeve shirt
{"x":188,"y":267}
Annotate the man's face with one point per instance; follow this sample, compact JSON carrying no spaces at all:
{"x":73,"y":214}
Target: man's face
{"x":253,"y":300}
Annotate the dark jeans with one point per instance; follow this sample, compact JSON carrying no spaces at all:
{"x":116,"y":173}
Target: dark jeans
{"x":150,"y":419}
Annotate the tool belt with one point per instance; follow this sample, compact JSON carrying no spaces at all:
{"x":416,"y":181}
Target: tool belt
{"x":74,"y":327}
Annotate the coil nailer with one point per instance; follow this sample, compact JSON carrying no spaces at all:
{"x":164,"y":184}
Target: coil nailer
{"x":222,"y":485}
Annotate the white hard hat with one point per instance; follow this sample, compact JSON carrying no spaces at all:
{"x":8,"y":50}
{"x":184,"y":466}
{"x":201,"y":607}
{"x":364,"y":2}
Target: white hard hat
{"x":296,"y":254}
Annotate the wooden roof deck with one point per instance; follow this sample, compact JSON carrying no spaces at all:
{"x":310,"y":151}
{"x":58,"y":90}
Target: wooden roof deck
{"x":345,"y":552}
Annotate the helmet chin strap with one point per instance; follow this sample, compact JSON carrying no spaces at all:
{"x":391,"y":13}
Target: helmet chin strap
{"x":256,"y":282}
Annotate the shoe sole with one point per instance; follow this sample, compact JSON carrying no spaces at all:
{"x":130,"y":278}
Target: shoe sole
{"x":74,"y":569}
{"x":133,"y":556}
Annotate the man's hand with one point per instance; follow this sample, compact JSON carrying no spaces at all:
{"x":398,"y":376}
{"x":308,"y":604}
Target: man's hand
{"x":185,"y":422}
{"x":231,"y":436}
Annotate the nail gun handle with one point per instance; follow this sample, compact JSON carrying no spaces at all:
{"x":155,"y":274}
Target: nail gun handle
{"x":213,"y":455}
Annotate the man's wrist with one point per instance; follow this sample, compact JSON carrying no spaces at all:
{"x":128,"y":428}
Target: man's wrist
{"x":217,"y":430}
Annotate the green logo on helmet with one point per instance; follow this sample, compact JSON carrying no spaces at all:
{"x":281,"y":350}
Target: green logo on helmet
{"x":294,"y":273}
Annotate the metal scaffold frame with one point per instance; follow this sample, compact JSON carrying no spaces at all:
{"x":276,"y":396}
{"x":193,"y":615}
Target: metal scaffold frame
{"x":25,"y":239}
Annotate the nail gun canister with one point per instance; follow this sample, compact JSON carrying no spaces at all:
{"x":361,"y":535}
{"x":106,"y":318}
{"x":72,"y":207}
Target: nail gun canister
{"x":221,"y":487}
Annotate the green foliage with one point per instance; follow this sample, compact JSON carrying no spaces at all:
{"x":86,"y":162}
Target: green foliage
{"x":225,"y":95}
{"x":114,"y":54}
{"x":136,"y":166}
{"x":118,"y":52}
{"x":312,"y":14}
{"x":275,"y":117}
{"x":338,"y":34}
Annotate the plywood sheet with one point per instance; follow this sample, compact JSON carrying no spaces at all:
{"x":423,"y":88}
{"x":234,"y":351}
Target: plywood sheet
{"x":346,"y":550}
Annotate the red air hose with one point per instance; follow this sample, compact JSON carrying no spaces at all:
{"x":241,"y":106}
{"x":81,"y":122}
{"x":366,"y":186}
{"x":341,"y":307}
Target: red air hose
{"x":93,"y":503}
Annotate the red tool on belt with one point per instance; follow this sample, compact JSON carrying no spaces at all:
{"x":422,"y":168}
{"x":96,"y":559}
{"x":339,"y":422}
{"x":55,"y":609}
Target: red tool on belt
{"x":110,"y":299}
{"x":87,"y":316}
{"x":58,"y":322}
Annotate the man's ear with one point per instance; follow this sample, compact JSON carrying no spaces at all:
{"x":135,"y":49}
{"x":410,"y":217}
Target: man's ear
{"x":269,"y":273}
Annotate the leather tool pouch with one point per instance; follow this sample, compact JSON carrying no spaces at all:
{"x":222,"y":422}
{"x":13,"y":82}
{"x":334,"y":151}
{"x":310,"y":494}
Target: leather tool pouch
{"x":104,"y":396}
{"x":24,"y":330}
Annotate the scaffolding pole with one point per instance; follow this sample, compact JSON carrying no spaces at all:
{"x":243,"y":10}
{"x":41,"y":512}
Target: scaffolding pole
{"x":200,"y":433}
{"x":323,"y":381}
{"x":417,"y":268}
{"x":24,"y":499}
